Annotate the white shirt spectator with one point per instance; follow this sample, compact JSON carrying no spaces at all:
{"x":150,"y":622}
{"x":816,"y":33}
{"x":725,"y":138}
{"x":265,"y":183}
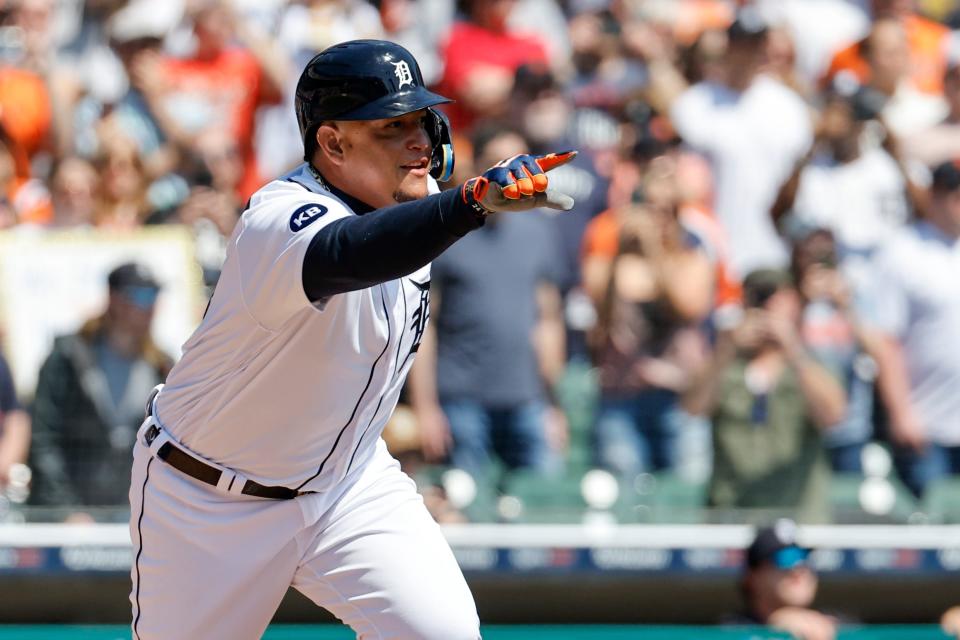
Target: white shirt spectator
{"x":909,"y":111}
{"x":920,"y":307}
{"x":862,"y":202}
{"x":753,"y":141}
{"x":819,"y":28}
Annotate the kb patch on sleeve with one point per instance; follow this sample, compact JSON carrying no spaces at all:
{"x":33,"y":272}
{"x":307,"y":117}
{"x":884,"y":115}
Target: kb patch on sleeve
{"x":305,"y":215}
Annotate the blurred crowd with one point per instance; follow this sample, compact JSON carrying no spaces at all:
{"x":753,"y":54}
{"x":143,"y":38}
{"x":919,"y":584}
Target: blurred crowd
{"x":756,"y":293}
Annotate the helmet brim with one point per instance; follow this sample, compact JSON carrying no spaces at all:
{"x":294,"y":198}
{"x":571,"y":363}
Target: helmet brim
{"x":395,"y":105}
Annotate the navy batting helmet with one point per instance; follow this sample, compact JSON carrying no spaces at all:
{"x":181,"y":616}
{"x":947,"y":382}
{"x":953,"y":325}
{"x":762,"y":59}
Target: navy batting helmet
{"x":369,"y":80}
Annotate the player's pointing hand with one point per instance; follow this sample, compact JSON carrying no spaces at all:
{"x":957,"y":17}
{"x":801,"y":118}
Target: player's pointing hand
{"x":519,"y":183}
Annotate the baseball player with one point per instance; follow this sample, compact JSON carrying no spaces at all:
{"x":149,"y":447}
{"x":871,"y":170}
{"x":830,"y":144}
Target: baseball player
{"x":260,"y":463}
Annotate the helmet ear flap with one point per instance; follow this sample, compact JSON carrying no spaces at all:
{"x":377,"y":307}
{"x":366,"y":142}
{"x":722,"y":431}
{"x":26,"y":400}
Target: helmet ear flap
{"x":441,"y":160}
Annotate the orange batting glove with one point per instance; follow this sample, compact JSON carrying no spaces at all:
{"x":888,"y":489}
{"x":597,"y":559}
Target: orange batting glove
{"x":519,"y":183}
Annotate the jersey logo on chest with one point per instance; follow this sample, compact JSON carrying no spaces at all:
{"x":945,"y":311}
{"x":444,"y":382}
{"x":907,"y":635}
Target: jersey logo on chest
{"x":421,"y":314}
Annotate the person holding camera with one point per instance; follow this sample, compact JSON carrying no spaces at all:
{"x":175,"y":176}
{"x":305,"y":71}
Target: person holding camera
{"x":919,"y":337}
{"x":770,"y":402}
{"x":833,"y":331}
{"x":648,"y":341}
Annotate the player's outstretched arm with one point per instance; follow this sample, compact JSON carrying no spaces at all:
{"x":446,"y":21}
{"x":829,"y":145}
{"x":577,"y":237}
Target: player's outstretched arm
{"x":357,"y":252}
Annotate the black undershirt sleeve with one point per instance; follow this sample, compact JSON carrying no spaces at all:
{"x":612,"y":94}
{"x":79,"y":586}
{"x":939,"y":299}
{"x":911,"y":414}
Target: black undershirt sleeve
{"x":360,"y":251}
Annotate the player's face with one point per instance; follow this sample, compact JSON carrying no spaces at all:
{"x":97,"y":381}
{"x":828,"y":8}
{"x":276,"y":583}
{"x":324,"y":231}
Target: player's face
{"x":390,"y":158}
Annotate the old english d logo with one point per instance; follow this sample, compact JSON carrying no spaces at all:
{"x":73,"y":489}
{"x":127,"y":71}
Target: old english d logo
{"x":402,"y":71}
{"x":421,"y":315}
{"x":305,"y":215}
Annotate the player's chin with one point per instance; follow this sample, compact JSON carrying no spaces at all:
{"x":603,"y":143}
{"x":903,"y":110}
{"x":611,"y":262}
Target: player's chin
{"x":413,"y":186}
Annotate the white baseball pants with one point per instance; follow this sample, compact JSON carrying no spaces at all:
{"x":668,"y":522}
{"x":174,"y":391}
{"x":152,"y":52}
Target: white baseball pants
{"x":215,"y":566}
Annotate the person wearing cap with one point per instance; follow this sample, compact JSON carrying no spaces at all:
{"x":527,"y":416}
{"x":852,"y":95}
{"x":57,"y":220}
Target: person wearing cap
{"x":779,"y":586}
{"x":770,"y":401}
{"x":919,"y":321}
{"x":89,"y":397}
{"x":751,"y":126}
{"x":264,"y":440}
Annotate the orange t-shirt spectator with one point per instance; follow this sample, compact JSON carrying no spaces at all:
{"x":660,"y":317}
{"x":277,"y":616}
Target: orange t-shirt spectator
{"x":928,"y":55}
{"x":25,"y":118}
{"x":481,"y":59}
{"x":218,"y":86}
{"x":25,"y":111}
{"x":220,"y":91}
{"x":22,"y":199}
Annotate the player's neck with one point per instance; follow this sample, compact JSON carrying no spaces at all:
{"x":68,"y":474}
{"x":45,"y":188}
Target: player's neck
{"x":356,"y":204}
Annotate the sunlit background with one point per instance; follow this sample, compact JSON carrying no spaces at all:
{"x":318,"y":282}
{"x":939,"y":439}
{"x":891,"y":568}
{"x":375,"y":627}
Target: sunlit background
{"x":752,"y":313}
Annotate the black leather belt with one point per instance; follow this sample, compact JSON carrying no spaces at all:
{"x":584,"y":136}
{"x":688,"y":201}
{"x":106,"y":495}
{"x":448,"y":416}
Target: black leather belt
{"x":185,"y":463}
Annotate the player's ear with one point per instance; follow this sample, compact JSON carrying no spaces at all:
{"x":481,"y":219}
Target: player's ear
{"x":330,"y":141}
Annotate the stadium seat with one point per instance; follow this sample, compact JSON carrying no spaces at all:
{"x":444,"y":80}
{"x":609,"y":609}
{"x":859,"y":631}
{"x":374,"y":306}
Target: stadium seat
{"x":677,"y":500}
{"x":532,"y":498}
{"x":855,"y":499}
{"x":941,"y":502}
{"x":576,"y":394}
{"x":844,"y":499}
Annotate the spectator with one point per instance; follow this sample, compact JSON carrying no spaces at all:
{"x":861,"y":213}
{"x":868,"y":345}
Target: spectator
{"x":218,"y":85}
{"x":942,"y":141}
{"x":919,"y":356}
{"x":852,"y":184}
{"x":606,"y":76}
{"x":74,"y":184}
{"x":657,"y":290}
{"x":906,"y":110}
{"x":546,"y":114}
{"x":751,"y":127}
{"x":123,"y":200}
{"x":925,"y":54}
{"x":484,"y":374}
{"x":818,"y":28}
{"x":24,"y":95}
{"x":136,"y":41}
{"x":302,"y":30}
{"x":23,"y":200}
{"x":688,"y":19}
{"x":769,"y":401}
{"x":419,"y":26}
{"x":837,"y":338}
{"x":781,"y":63}
{"x":779,"y":586}
{"x":96,"y":75}
{"x":212,"y":208}
{"x":89,"y":398}
{"x":25,"y":111}
{"x":481,"y":57}
{"x":14,"y":426}
{"x":312,"y":26}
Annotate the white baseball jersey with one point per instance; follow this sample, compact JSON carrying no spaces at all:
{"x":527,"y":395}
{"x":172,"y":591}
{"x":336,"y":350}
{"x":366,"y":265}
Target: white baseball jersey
{"x":290,"y":393}
{"x":282,"y":390}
